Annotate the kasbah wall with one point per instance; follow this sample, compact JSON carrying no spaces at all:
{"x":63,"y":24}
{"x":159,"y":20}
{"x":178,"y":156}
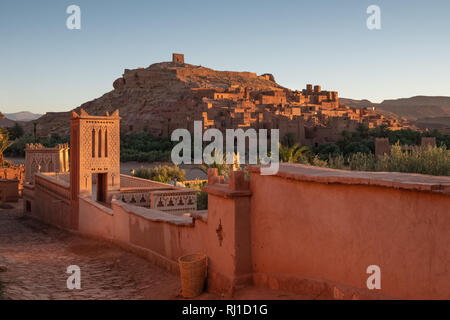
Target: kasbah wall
{"x":308,"y":230}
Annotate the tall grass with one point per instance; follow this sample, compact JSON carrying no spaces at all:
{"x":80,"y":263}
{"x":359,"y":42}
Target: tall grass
{"x":424,"y":160}
{"x":362,"y":161}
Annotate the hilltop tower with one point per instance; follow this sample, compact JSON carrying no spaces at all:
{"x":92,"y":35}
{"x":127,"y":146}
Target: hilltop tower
{"x":177,"y":58}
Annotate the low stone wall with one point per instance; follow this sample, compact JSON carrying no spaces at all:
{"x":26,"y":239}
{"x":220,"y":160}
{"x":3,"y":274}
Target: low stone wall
{"x":49,"y":200}
{"x":317,"y":230}
{"x":9,"y":191}
{"x":161,"y":237}
{"x":95,"y":219}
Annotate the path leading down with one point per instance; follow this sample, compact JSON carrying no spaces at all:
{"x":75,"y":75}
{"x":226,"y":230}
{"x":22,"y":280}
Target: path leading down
{"x":36,"y":257}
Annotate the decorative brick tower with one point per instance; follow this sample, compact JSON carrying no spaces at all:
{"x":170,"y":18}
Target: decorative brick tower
{"x":94,"y":155}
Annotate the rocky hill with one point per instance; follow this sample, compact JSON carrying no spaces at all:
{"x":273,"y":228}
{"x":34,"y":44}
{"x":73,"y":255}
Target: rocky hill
{"x":22,"y":116}
{"x":146,"y":96}
{"x":5,"y":122}
{"x":160,"y":98}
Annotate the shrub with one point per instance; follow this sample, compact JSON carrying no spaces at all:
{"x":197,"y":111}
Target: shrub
{"x":316,"y":161}
{"x":4,"y":144}
{"x":139,"y":156}
{"x":336,"y":162}
{"x":202,"y":197}
{"x":422,"y":160}
{"x":16,"y":131}
{"x":143,"y":147}
{"x":163,"y":174}
{"x":425,"y":160}
{"x":326,"y":150}
{"x":292,"y":154}
{"x":362,"y":161}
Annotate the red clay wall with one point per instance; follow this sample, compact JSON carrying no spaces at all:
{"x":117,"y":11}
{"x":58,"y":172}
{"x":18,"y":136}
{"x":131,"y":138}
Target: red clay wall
{"x":309,"y":230}
{"x":320,"y":237}
{"x":50,"y":202}
{"x":161,"y":240}
{"x":95,"y":219}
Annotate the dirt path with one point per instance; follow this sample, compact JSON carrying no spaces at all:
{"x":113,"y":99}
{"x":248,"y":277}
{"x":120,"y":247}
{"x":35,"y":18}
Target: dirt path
{"x":36,"y":258}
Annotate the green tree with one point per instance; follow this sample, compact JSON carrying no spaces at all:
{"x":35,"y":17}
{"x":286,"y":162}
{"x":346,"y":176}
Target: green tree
{"x":35,"y":124}
{"x":4,"y":144}
{"x":363,"y":131}
{"x":293,"y":154}
{"x":327,"y":150}
{"x":16,"y":131}
{"x":288,"y":140}
{"x":223,"y":168}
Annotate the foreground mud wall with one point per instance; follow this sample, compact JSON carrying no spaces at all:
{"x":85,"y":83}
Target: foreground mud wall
{"x":309,"y":230}
{"x":317,"y":230}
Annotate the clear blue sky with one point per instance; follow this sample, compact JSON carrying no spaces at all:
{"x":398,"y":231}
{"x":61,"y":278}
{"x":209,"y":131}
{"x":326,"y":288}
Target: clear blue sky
{"x":46,"y":67}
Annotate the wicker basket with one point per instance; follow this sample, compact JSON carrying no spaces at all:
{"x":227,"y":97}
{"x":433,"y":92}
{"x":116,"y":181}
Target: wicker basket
{"x":193,"y":268}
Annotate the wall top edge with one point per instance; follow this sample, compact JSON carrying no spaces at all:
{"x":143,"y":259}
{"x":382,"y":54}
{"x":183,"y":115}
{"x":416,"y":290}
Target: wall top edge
{"x":408,"y":181}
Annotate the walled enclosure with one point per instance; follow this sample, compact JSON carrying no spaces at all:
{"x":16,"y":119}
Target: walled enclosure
{"x":309,"y":230}
{"x":306,"y":229}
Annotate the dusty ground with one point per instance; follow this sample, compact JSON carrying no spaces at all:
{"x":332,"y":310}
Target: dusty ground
{"x":34,"y":258}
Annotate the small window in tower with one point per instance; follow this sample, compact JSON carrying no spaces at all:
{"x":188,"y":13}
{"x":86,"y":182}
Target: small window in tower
{"x":100,"y":143}
{"x":93,"y":143}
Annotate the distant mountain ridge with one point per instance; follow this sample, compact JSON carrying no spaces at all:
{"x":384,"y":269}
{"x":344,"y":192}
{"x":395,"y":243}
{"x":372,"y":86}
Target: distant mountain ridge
{"x":422,"y":110}
{"x":23,"y":116}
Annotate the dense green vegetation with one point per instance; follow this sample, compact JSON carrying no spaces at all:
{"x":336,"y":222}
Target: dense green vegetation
{"x":363,"y":141}
{"x":202,"y":197}
{"x":5,"y":143}
{"x":355,"y":151}
{"x":143,"y":147}
{"x":163,"y":174}
{"x":17,"y":149}
{"x":424,"y":160}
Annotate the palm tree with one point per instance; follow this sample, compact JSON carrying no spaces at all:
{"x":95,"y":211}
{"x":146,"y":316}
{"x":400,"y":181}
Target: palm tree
{"x":223,"y":168}
{"x":4,"y":144}
{"x":362,"y":130}
{"x":292,"y":154}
